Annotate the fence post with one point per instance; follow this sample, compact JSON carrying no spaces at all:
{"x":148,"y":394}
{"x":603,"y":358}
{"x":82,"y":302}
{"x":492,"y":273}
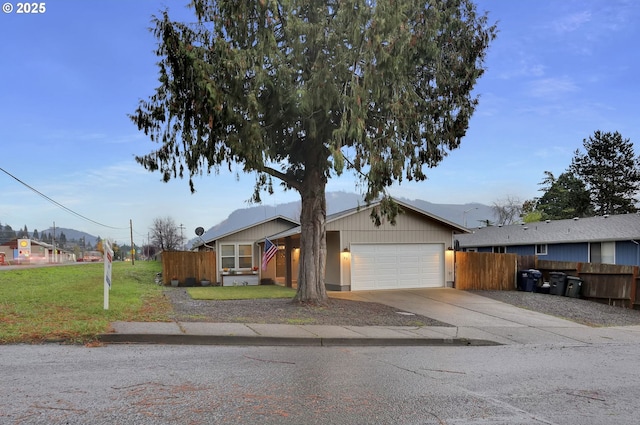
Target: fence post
{"x":634,"y":287}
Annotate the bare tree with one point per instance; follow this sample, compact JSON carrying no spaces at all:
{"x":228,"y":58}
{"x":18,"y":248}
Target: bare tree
{"x":165,"y":234}
{"x":507,"y":210}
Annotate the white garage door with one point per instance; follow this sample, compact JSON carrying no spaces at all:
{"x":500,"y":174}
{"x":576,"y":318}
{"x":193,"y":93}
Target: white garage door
{"x":394,"y":266}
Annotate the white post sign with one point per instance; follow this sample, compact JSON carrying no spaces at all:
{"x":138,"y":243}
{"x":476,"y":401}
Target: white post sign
{"x":108,"y":258}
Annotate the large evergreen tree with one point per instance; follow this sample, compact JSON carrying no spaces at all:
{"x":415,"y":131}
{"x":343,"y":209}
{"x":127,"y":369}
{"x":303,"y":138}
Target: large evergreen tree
{"x":299,"y":89}
{"x":611,"y":172}
{"x":564,"y":197}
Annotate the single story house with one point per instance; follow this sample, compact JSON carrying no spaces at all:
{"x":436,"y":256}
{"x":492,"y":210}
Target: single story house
{"x":238,"y":254}
{"x":608,"y":239}
{"x":416,"y":252}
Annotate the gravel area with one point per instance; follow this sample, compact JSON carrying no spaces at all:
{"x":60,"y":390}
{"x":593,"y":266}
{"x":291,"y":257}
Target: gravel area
{"x":354,"y":313}
{"x":578,"y":310}
{"x":284,"y":311}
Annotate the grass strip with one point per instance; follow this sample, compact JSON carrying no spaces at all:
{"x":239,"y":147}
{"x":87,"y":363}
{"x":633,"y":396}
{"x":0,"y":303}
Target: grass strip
{"x":240,"y":292}
{"x":65,"y":303}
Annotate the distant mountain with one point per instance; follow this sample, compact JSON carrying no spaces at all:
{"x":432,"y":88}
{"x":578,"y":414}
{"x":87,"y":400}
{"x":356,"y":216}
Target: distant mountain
{"x":71,"y":234}
{"x":472,"y":213}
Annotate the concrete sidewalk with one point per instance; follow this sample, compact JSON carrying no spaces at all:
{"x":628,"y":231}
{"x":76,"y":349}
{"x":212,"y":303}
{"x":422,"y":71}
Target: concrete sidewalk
{"x":299,"y":335}
{"x":475,"y":320}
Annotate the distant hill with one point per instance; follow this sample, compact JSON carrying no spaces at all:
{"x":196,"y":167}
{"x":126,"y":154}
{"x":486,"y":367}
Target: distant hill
{"x":72,"y":234}
{"x":470,"y":215}
{"x":473,"y":213}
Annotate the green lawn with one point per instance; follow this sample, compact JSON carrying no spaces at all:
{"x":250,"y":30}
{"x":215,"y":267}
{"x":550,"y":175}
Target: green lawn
{"x":66,"y":302}
{"x":240,"y":292}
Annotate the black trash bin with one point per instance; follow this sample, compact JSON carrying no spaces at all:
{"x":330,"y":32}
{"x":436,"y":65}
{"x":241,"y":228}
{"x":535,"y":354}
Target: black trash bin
{"x":528,"y":280}
{"x":523,"y":277}
{"x":574,"y":287}
{"x":524,"y":282}
{"x":558,"y":283}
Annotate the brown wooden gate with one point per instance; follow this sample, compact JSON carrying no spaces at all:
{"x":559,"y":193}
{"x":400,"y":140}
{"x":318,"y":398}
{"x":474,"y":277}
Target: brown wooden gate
{"x":183,"y":264}
{"x":485,"y":271}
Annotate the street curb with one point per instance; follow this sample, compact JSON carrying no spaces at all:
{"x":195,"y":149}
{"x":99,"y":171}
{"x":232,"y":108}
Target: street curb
{"x":288,"y":341}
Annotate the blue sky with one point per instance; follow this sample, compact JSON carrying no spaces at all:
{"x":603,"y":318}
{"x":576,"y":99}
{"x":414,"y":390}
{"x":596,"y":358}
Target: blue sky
{"x":558,"y":71}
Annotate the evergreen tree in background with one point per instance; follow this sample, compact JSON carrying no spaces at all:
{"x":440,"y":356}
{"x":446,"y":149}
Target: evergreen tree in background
{"x":564,"y":197}
{"x":610,"y":171}
{"x":7,"y":233}
{"x":61,"y":240}
{"x":23,"y":233}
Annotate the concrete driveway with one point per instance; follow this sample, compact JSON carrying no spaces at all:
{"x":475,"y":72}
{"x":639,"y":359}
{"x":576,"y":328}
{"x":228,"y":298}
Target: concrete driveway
{"x":475,"y":316}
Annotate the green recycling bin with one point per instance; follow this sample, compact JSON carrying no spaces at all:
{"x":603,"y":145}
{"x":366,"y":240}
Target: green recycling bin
{"x":574,"y":287}
{"x":558,"y":283}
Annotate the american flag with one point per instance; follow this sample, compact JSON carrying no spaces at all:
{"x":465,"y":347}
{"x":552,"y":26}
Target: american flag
{"x":270,"y":251}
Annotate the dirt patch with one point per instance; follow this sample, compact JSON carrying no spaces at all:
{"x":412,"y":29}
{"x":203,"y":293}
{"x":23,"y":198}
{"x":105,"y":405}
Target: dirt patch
{"x":284,"y":311}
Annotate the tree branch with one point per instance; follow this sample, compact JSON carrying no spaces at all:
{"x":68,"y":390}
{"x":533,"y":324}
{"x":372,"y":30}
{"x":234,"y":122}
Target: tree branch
{"x":282,"y":176}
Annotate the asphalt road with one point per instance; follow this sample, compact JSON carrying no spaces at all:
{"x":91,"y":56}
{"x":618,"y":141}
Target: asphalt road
{"x":147,"y":384}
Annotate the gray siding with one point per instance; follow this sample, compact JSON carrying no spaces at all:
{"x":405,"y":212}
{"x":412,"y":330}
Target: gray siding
{"x":258,"y":232}
{"x":410,"y":228}
{"x":332,"y":272}
{"x":357,"y":228}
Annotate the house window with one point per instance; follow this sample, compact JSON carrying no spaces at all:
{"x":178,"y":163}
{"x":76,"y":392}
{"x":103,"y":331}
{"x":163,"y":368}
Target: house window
{"x":499,"y":249}
{"x":228,"y":256}
{"x":602,"y":252}
{"x":236,"y":256}
{"x":541,"y":249}
{"x":245,"y":257}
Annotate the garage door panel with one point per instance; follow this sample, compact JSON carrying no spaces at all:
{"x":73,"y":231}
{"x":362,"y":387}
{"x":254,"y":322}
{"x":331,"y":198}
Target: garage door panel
{"x":392,"y":266}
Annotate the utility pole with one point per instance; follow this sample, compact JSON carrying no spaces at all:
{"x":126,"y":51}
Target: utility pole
{"x":464,"y":215}
{"x":53,"y":242}
{"x":132,"y":246}
{"x":181,"y":237}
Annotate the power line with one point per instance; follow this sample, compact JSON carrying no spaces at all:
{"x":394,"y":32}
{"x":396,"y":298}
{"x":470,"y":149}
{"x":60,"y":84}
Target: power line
{"x":58,"y":203}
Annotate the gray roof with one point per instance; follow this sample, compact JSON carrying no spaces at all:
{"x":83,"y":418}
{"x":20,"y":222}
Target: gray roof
{"x":337,"y":216}
{"x":227,"y":228}
{"x":601,"y":229}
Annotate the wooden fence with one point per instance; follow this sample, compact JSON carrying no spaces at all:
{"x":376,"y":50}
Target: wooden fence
{"x":186,"y":264}
{"x":485,"y":271}
{"x":606,"y":283}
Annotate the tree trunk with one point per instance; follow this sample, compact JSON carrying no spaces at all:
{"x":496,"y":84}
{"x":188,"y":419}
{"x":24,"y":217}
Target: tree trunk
{"x":313,"y":243}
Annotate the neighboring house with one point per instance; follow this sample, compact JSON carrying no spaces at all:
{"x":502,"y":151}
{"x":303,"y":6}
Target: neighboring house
{"x":415,"y":253}
{"x":30,"y":251}
{"x":609,"y":239}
